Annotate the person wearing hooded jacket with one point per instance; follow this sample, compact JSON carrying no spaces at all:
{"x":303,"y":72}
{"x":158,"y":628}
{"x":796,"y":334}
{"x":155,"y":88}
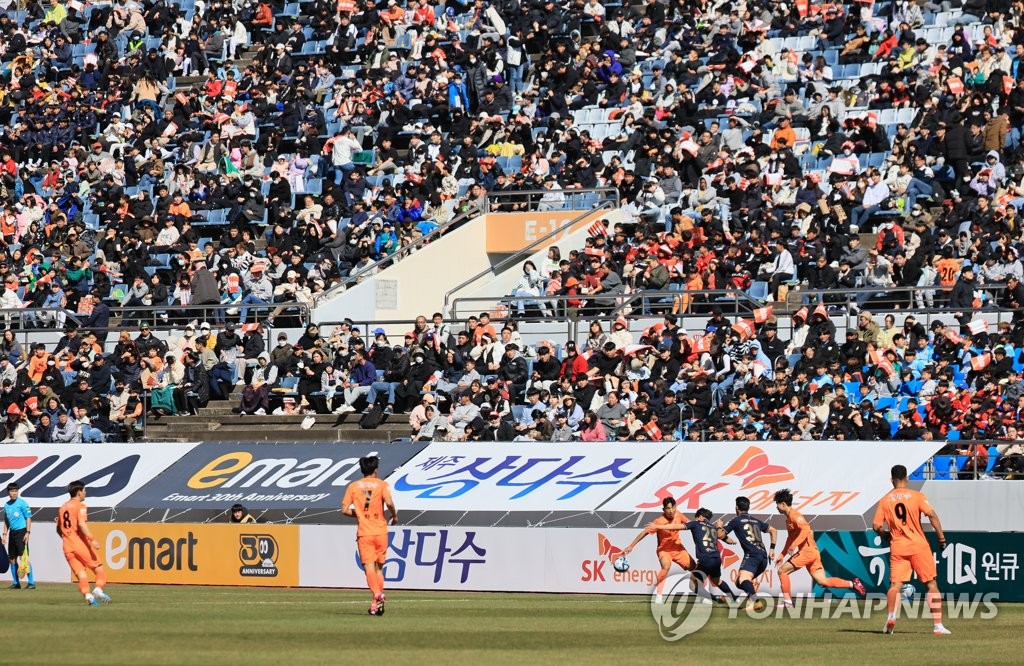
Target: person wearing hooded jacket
{"x":417,"y":378}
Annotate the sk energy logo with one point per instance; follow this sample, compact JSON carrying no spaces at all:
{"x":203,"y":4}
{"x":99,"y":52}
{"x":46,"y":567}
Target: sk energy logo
{"x":755,"y":470}
{"x":47,"y":477}
{"x":600,"y":570}
{"x":258,"y":555}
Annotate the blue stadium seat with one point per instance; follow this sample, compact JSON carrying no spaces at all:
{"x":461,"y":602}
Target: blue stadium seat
{"x":993,"y":458}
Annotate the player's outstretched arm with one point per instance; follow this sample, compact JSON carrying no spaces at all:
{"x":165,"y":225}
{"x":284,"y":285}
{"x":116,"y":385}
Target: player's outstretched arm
{"x":671,"y":527}
{"x":773,"y":535}
{"x":638,"y":539}
{"x":721,"y":534}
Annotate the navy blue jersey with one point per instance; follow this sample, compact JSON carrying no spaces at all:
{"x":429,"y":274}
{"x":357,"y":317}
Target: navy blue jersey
{"x":705,"y":540}
{"x":749,"y":532}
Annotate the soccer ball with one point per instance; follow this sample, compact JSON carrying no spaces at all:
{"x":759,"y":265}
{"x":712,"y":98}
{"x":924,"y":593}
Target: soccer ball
{"x":620,"y":564}
{"x":908,"y":592}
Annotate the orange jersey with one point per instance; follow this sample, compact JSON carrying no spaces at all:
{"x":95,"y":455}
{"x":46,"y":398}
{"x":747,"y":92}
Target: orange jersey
{"x":901,"y":510}
{"x":69,"y":519}
{"x":369,"y":496}
{"x":799,"y":533}
{"x":947,"y":270}
{"x":668,"y":540}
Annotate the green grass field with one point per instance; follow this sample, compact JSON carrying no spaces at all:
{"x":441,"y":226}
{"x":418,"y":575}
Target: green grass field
{"x":192,"y":625}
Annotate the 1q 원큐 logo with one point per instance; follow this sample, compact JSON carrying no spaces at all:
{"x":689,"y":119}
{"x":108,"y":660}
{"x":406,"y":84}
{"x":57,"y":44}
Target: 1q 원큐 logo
{"x":258,"y":554}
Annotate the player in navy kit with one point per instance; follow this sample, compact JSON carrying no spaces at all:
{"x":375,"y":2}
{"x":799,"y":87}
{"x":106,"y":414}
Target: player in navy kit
{"x":749,"y":532}
{"x":709,"y":559}
{"x":705,"y":541}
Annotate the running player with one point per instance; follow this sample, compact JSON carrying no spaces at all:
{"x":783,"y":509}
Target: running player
{"x":17,"y":530}
{"x":79,"y":544}
{"x":365,"y":501}
{"x":705,"y":543}
{"x":898,"y":521}
{"x":805,"y":554}
{"x":670,"y":547}
{"x":749,"y":532}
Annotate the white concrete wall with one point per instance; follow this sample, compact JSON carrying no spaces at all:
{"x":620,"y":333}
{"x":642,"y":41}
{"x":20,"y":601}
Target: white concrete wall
{"x":416,"y":284}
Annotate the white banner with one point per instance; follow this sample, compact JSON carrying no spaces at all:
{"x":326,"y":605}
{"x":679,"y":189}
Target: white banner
{"x":827,"y":478}
{"x":111,"y":472}
{"x":502,"y":559}
{"x":575,"y":476}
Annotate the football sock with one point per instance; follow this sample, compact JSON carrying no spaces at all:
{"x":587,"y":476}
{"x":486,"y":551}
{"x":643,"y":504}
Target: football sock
{"x":83,"y":586}
{"x":748,"y":587}
{"x":101,"y":578}
{"x":892,"y":600}
{"x":786,"y":586}
{"x":838,"y":583}
{"x":662,"y":575}
{"x":14,"y":573}
{"x":371,"y":580}
{"x":724,"y":587}
{"x":935,"y":604}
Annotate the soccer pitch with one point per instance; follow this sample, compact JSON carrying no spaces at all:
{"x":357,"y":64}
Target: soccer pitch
{"x":207,"y":625}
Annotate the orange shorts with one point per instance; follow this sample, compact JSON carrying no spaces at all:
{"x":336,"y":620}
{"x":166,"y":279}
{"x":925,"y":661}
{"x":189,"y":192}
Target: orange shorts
{"x":372,"y":548}
{"x":921,"y":562}
{"x":807,"y":559}
{"x":680,"y":557}
{"x":81,"y":558}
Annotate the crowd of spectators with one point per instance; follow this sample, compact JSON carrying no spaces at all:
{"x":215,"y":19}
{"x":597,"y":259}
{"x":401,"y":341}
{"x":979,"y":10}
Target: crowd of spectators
{"x":789,"y":145}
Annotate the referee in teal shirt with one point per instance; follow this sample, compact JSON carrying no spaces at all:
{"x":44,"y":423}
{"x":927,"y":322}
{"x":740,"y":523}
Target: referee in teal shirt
{"x":17,"y":527}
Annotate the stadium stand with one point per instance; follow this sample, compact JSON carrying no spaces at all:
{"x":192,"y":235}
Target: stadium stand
{"x":198,"y":168}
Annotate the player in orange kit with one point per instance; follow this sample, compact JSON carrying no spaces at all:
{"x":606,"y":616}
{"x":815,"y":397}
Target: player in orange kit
{"x":80,"y":546}
{"x":898,"y":521}
{"x":365,"y":501}
{"x":670,"y":548}
{"x":807,"y":555}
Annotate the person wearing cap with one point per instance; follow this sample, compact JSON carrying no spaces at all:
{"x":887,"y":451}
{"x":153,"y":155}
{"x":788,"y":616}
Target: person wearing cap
{"x":464,"y":412}
{"x":418,"y":416}
{"x":99,"y":320}
{"x":65,"y":430}
{"x":257,"y":289}
{"x":1013,"y":297}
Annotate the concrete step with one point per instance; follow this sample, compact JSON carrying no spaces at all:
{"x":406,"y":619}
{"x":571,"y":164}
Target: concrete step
{"x":298,"y":435}
{"x":284,"y":420}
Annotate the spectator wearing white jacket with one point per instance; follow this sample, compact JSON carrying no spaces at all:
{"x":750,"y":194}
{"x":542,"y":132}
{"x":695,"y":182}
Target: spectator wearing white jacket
{"x":783,"y":269}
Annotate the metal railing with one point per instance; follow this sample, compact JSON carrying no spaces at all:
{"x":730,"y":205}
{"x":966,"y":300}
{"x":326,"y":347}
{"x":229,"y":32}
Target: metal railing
{"x":903,"y":296}
{"x":514,"y":259}
{"x":28,"y":322}
{"x":574,"y":198}
{"x":954,"y":462}
{"x":357,"y":276}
